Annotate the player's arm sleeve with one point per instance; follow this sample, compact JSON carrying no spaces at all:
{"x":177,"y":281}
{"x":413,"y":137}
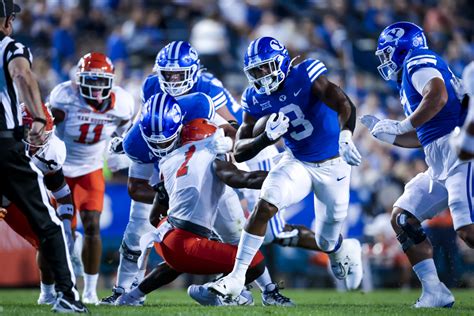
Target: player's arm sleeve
{"x":14,"y":50}
{"x":314,"y":69}
{"x":422,"y":76}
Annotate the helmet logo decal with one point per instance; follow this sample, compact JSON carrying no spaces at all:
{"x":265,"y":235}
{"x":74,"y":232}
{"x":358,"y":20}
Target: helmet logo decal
{"x":394,"y":35}
{"x":274,"y":44}
{"x":175,"y":113}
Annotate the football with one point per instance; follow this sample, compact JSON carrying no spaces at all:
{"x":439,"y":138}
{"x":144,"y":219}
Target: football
{"x":259,"y":126}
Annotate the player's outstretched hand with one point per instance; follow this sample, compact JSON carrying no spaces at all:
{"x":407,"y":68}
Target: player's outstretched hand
{"x":348,"y":150}
{"x":221,"y":144}
{"x":369,"y":121}
{"x":392,"y":127}
{"x":116,"y":145}
{"x":277,"y":125}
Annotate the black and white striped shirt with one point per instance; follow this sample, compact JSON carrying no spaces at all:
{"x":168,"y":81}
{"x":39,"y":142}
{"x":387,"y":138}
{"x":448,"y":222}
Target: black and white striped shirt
{"x":10,"y":112}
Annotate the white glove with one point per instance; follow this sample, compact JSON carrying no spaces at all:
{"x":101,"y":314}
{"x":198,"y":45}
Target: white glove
{"x":116,"y":162}
{"x":277,"y":125}
{"x":221,"y":144}
{"x":116,"y":145}
{"x":347,"y":149}
{"x":370,"y":121}
{"x":392,"y":127}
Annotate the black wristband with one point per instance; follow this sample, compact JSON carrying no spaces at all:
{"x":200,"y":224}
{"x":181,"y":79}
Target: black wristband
{"x":41,"y":120}
{"x":234,"y":124}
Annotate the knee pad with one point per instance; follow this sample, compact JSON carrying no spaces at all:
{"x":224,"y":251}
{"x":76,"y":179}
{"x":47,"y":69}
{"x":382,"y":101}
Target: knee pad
{"x":412,"y":233}
{"x":129,"y":254}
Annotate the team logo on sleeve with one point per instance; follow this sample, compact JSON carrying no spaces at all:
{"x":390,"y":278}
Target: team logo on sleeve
{"x":393,"y":36}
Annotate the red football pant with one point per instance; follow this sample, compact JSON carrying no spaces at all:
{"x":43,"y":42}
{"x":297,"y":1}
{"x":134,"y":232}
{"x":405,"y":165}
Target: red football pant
{"x":190,"y":253}
{"x":19,"y":223}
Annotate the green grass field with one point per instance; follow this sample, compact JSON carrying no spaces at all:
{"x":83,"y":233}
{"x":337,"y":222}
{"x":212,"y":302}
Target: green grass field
{"x":314,"y":302}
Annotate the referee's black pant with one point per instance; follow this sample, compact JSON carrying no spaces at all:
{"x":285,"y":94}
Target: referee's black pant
{"x":22,"y":184}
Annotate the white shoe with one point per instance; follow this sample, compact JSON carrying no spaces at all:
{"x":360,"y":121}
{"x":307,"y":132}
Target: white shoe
{"x":47,"y":298}
{"x":228,"y":286}
{"x":205,"y":297}
{"x":346,"y":263}
{"x":128,"y":300}
{"x":437,"y":296}
{"x":90,"y":298}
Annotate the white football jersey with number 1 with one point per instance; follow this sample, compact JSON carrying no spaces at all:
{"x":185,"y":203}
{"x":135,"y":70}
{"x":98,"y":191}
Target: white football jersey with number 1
{"x":193,"y":188}
{"x":86,"y":131}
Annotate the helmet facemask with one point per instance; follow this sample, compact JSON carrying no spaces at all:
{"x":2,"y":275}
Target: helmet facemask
{"x":388,"y":69}
{"x":266,"y":75}
{"x":95,"y":87}
{"x":161,"y":145}
{"x":176,"y":80}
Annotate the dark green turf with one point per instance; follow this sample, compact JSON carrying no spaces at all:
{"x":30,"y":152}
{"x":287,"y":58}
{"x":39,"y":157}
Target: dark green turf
{"x":309,"y":302}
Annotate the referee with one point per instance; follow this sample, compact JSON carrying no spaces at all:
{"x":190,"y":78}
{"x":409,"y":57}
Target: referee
{"x":22,"y":182}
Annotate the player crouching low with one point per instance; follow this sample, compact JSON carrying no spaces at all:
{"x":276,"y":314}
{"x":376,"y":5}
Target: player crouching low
{"x":189,"y":194}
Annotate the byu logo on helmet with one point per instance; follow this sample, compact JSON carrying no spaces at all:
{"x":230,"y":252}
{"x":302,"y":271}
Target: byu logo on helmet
{"x":276,"y":45}
{"x":394,"y":35}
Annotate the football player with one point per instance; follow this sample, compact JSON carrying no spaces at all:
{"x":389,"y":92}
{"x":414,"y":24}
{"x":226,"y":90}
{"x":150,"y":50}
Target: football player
{"x":431,"y":101}
{"x":316,"y":120}
{"x":87,"y":113}
{"x":49,"y":158}
{"x":156,"y":135}
{"x":177,"y":72}
{"x":191,"y":192}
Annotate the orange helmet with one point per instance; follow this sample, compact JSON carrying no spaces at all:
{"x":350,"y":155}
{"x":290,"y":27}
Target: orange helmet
{"x":197,"y":129}
{"x":95,"y":76}
{"x":27,"y":119}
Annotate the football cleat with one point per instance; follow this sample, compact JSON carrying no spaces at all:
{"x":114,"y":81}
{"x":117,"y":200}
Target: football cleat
{"x":437,"y":296}
{"x":67,"y":305}
{"x":47,"y":298}
{"x":273,"y":297}
{"x":227,"y":286}
{"x":205,"y":297}
{"x":117,"y":291}
{"x":346,"y":263}
{"x":127,"y":300}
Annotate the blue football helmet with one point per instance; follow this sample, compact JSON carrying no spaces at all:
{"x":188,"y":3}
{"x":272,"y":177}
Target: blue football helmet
{"x":161,"y":124}
{"x":267,"y":63}
{"x":395,"y":43}
{"x":177,"y":65}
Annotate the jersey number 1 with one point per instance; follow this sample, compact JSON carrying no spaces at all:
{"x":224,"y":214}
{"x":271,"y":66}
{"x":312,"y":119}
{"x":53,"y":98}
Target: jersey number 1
{"x":84,"y":128}
{"x":183,"y":170}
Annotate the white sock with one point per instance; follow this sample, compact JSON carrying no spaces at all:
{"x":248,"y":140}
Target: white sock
{"x":136,"y":293}
{"x":90,"y":283}
{"x":47,"y":288}
{"x":248,"y":246}
{"x":126,"y":273}
{"x":264,"y":280}
{"x":426,"y":272}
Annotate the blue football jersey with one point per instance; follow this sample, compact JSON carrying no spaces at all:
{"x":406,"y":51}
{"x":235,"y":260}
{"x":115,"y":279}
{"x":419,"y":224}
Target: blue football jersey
{"x":314,"y":127}
{"x":450,"y":116}
{"x":194,"y":105}
{"x":206,"y":83}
